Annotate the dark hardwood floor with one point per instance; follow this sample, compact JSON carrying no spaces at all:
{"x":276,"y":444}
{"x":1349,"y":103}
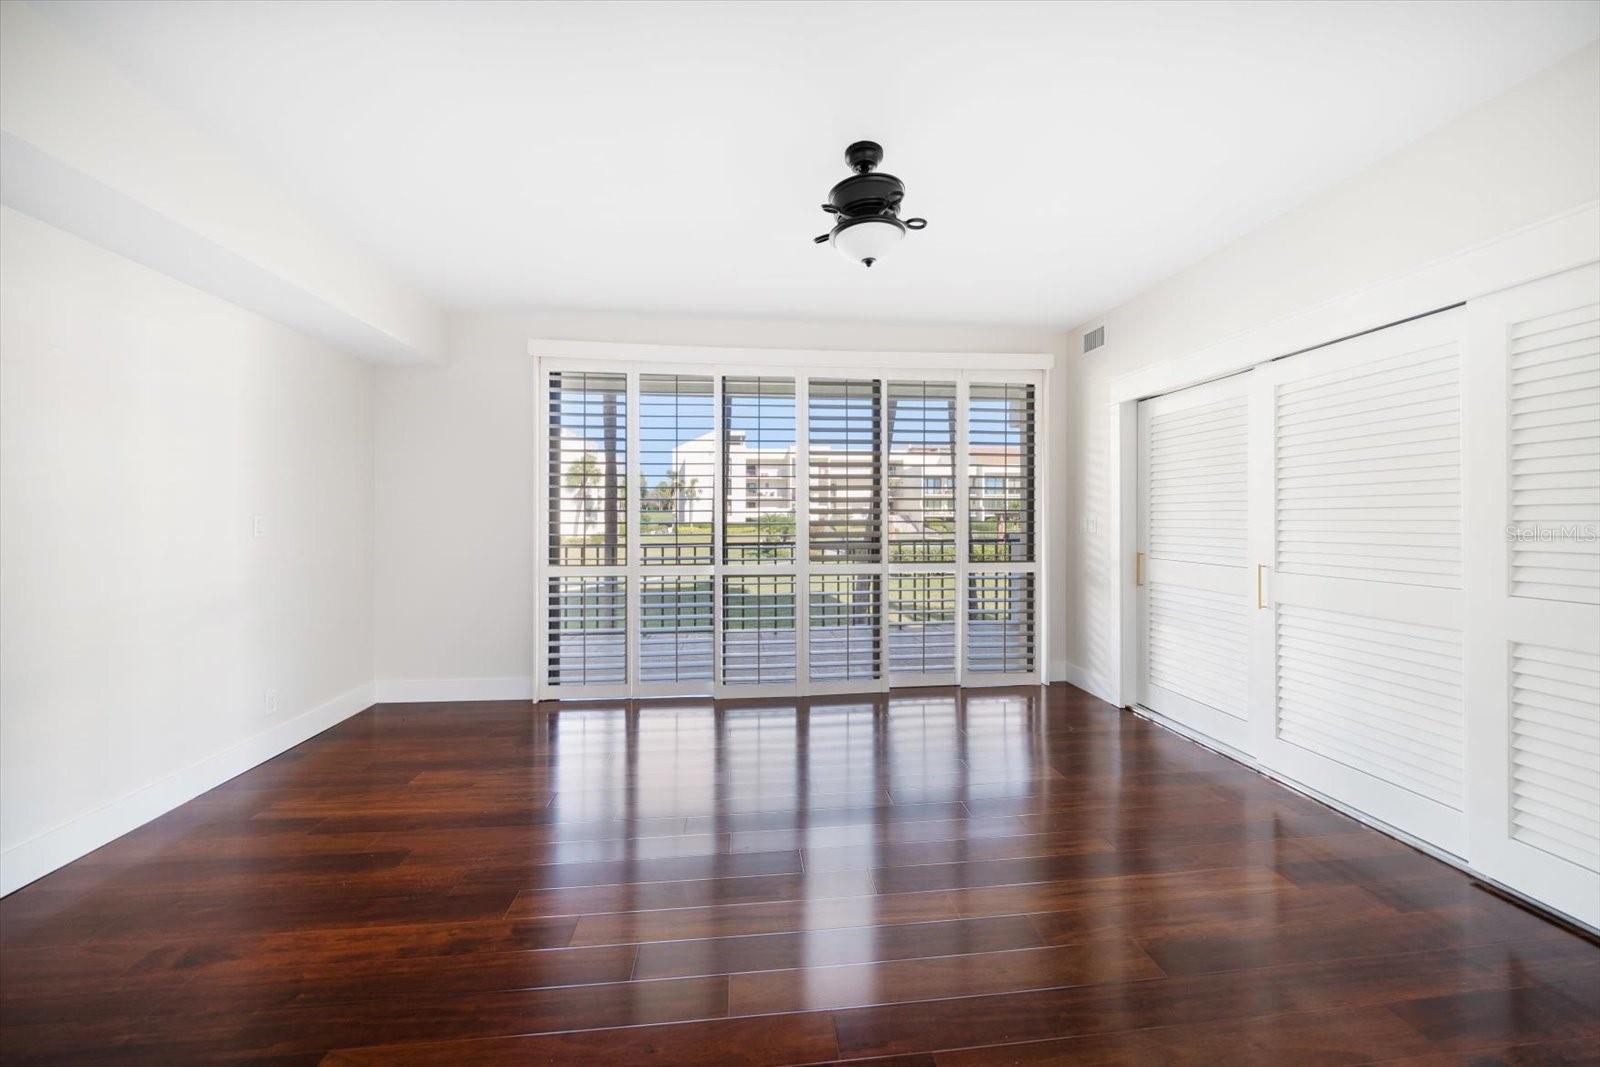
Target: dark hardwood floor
{"x":1018,"y":876}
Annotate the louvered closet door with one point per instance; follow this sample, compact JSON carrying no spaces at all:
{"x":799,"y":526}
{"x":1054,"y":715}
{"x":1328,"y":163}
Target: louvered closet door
{"x":1534,"y":692}
{"x":1196,"y":583}
{"x":1363,"y":514}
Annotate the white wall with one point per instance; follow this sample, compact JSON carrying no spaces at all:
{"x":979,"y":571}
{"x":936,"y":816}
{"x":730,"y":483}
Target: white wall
{"x":142,"y":624}
{"x":1522,"y":158}
{"x":455,"y":484}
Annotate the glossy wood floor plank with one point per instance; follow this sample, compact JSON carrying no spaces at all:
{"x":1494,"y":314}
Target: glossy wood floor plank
{"x":923,"y":879}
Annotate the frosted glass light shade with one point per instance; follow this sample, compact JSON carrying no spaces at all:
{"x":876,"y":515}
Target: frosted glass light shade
{"x":868,"y":240}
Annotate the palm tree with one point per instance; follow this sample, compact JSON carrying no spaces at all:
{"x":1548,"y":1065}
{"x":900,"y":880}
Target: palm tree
{"x":677,"y":490}
{"x":582,"y":478}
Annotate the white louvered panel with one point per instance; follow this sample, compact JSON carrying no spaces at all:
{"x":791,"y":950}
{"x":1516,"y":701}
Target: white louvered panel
{"x":1199,"y":646}
{"x":844,"y":618}
{"x":1001,"y":434}
{"x":844,"y":421}
{"x":758,"y":629}
{"x":677,"y":628}
{"x":922,"y":623}
{"x":1555,"y":752}
{"x":1197,"y":499}
{"x":588,"y":630}
{"x":1554,"y":398}
{"x":1368,"y":471}
{"x":1000,"y":623}
{"x":1380,"y":696}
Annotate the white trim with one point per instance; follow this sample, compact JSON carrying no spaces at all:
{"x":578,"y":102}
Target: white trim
{"x":1559,"y":243}
{"x":439,"y":690}
{"x":55,"y":848}
{"x":1344,"y":809}
{"x":608,"y":351}
{"x":1122,"y":451}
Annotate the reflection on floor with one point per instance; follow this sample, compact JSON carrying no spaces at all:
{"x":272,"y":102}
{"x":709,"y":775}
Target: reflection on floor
{"x":927,"y":875}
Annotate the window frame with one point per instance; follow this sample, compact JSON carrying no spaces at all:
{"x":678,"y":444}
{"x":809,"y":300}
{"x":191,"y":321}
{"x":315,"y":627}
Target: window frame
{"x":634,"y":360}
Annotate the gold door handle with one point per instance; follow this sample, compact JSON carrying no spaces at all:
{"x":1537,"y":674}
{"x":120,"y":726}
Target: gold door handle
{"x":1138,"y":568}
{"x":1260,"y":570}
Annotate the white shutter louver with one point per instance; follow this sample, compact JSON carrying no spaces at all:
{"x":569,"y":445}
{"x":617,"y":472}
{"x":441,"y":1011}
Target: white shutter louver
{"x":1555,"y":456}
{"x":758,"y":629}
{"x":922,"y":472}
{"x":587,"y":482}
{"x":677,"y":457}
{"x":1198,"y":645}
{"x":587,"y":631}
{"x":677,"y":619}
{"x":1000,"y":489}
{"x":758,"y":475}
{"x":1368,"y":473}
{"x":1000,"y":623}
{"x":1555,"y":752}
{"x":843,"y":619}
{"x":1196,"y":495}
{"x":922,"y":623}
{"x":1381,"y":696}
{"x":843,"y":421}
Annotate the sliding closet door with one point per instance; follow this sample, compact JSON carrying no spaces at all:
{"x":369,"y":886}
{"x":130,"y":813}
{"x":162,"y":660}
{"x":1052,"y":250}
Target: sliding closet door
{"x":1364,"y":621}
{"x":1534,"y":668}
{"x":1195,"y":591}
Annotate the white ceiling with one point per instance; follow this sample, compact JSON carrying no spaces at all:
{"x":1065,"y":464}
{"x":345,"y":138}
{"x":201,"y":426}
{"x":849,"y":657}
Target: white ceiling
{"x":671,"y":157}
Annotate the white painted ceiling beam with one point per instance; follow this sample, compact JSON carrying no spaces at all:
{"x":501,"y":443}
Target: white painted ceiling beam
{"x":85,"y":150}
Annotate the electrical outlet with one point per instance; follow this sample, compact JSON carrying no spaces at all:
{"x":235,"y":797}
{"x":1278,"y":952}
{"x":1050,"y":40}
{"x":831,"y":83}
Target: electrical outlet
{"x":258,"y":526}
{"x":272,"y":702}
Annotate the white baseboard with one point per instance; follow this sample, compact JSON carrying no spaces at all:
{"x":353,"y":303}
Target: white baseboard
{"x":38,"y":856}
{"x":1073,"y":674}
{"x":431,"y":690}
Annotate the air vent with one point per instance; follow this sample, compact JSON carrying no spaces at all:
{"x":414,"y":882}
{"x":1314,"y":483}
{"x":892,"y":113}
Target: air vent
{"x":1094,"y":339}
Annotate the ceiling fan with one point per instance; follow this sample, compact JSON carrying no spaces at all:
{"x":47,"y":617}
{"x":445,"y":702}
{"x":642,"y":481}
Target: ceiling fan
{"x":867,"y":205}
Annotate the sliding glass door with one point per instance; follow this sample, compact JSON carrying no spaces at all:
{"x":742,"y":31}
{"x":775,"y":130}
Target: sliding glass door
{"x":781,"y":530}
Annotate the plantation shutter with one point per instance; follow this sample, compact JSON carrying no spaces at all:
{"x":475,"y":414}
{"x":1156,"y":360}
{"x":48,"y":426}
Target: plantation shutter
{"x":588,"y":631}
{"x":922,"y":624}
{"x":758,"y":630}
{"x":844,"y":618}
{"x":758,"y":469}
{"x":922,"y":472}
{"x":1000,"y":623}
{"x":588,"y":468}
{"x":758,"y":529}
{"x":998,"y":449}
{"x":843,"y":425}
{"x":1000,"y":490}
{"x":677,"y":460}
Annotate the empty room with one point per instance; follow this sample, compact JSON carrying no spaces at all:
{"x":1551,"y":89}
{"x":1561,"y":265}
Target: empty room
{"x":738,"y":533}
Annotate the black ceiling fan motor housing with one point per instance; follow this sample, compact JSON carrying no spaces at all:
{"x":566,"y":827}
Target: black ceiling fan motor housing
{"x":867,"y":193}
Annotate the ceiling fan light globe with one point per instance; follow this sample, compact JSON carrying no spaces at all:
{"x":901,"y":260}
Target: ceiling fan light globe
{"x":866,"y":241}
